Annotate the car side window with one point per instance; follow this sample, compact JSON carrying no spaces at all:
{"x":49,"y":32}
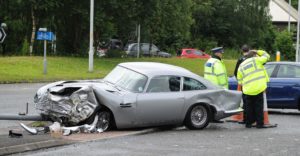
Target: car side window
{"x":154,"y":48}
{"x":270,"y":68}
{"x":288,"y":71}
{"x":192,"y":84}
{"x":198,"y":52}
{"x":164,"y":84}
{"x":134,"y":47}
{"x":189,"y":51}
{"x":145,"y":47}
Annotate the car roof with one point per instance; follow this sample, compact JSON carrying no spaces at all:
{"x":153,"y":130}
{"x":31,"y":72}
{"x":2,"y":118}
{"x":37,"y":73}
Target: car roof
{"x":154,"y":68}
{"x":189,"y":49}
{"x":285,"y":63}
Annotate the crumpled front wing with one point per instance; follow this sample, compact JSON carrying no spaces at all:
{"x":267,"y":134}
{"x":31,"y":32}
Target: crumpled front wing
{"x":66,"y":104}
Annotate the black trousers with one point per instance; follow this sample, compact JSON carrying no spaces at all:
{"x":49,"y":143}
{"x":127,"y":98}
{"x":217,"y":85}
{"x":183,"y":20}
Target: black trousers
{"x":254,"y":109}
{"x":244,"y":107}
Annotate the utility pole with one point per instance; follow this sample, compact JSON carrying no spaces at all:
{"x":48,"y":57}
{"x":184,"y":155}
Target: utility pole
{"x":91,"y":49}
{"x":297,"y":50}
{"x":139,"y":38}
{"x":289,"y":27}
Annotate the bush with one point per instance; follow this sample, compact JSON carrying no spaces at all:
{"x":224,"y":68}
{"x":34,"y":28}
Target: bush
{"x":284,"y":44}
{"x":232,"y":54}
{"x":25,"y":47}
{"x":115,"y":53}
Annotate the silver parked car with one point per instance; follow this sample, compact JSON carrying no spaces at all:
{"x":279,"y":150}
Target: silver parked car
{"x":139,"y":94}
{"x":145,"y":50}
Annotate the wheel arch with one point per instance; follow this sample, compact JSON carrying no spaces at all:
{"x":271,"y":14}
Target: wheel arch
{"x":105,"y":108}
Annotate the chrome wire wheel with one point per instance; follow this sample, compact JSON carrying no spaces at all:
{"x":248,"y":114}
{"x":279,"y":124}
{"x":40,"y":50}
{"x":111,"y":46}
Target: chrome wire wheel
{"x":104,"y":120}
{"x":199,"y":115}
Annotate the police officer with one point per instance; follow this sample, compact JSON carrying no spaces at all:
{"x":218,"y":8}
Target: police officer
{"x":215,"y":70}
{"x":253,"y":79}
{"x":245,"y":50}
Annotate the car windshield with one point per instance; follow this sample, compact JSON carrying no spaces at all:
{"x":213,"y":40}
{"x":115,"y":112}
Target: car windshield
{"x":127,"y":79}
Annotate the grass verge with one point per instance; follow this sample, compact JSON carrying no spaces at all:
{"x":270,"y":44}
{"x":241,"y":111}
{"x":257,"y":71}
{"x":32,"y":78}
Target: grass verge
{"x":30,"y":69}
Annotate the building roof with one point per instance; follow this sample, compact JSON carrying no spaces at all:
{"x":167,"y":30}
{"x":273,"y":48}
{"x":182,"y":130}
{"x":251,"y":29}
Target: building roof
{"x":279,"y":11}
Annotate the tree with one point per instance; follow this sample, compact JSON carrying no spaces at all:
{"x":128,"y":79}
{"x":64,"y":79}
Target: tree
{"x":231,"y":23}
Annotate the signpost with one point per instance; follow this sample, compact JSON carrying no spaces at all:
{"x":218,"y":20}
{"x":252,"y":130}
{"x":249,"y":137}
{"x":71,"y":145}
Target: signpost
{"x":2,"y":35}
{"x":44,"y":35}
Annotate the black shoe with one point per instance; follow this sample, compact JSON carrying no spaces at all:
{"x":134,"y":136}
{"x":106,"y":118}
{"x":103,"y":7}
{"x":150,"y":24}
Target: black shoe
{"x":248,"y":126}
{"x":217,"y":121}
{"x":242,"y":122}
{"x":261,"y":126}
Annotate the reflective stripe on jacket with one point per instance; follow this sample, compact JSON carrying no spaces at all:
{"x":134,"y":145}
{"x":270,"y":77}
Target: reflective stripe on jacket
{"x":252,"y":74}
{"x":215,"y":72}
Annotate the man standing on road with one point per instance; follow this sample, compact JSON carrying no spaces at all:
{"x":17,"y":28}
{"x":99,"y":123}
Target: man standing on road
{"x":253,"y":79}
{"x":245,"y":50}
{"x":215,"y":70}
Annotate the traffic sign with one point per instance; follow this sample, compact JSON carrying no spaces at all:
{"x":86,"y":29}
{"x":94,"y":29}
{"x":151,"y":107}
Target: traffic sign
{"x":2,"y":35}
{"x":42,"y":35}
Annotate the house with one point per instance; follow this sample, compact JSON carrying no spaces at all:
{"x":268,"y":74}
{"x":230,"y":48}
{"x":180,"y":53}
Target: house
{"x":279,"y":11}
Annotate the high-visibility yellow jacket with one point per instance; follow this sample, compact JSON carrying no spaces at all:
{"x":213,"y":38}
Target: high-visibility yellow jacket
{"x":252,"y":74}
{"x":215,"y":72}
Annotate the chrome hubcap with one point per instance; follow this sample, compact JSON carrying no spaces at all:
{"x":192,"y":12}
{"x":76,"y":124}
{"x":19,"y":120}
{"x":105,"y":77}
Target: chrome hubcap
{"x":198,"y":115}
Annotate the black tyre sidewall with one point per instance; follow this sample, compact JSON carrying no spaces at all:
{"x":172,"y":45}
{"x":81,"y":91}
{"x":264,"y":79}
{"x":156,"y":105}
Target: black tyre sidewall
{"x":188,"y":121}
{"x":110,"y":119}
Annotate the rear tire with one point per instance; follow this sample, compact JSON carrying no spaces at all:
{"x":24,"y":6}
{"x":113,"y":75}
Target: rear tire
{"x":198,"y":117}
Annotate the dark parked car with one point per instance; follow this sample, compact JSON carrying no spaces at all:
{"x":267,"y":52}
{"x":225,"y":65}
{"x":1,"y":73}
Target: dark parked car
{"x":104,"y":46}
{"x":284,"y":87}
{"x":145,"y":50}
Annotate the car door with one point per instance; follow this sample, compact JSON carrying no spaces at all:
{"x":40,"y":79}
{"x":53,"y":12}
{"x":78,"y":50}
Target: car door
{"x":285,"y":87}
{"x":271,"y":95}
{"x":162,"y":103}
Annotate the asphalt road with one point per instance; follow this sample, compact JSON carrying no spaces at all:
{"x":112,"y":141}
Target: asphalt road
{"x":13,"y":99}
{"x":225,"y":139}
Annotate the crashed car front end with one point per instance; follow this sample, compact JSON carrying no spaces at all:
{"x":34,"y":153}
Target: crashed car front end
{"x":68,"y":104}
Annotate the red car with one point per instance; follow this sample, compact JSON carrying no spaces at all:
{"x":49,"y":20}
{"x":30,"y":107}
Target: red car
{"x":193,"y":53}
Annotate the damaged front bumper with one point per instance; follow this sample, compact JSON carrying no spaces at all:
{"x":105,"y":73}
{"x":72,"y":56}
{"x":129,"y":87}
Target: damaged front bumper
{"x":65,"y":103}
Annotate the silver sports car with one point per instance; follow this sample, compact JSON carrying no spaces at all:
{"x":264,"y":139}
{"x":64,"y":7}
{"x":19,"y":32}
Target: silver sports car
{"x":139,"y":94}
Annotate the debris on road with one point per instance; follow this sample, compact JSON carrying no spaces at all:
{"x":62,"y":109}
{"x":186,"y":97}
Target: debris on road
{"x":57,"y":129}
{"x":13,"y":134}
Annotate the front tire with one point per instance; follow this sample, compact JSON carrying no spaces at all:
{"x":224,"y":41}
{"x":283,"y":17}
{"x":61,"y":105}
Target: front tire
{"x":198,"y":117}
{"x":104,"y":120}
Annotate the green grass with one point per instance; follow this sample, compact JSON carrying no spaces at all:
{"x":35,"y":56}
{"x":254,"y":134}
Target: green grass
{"x":30,"y":69}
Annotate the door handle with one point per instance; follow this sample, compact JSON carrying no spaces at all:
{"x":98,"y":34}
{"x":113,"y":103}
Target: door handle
{"x":124,"y":105}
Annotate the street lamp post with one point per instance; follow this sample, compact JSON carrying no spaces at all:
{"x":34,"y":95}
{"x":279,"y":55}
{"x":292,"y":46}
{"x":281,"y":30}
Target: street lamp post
{"x":297,"y":50}
{"x":91,"y":51}
{"x":289,"y":26}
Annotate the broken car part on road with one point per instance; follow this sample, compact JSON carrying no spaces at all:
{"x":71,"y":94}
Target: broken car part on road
{"x":57,"y":128}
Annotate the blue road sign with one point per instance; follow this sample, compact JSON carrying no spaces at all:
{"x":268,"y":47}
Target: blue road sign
{"x":42,"y":35}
